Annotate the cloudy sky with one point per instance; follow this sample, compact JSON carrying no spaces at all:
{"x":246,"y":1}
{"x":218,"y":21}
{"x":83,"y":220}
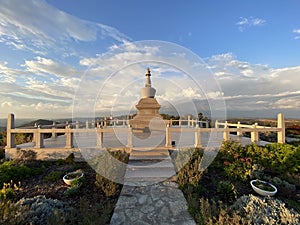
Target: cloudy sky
{"x":64,"y":58}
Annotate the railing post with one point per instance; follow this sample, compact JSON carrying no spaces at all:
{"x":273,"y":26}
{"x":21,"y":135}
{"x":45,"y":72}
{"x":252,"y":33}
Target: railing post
{"x":189,"y":121}
{"x":77,"y":124}
{"x":226,"y":134}
{"x":254,"y":134}
{"x":168,"y":136}
{"x":179,"y":122}
{"x":39,"y":138}
{"x":129,"y":138}
{"x":69,"y":137}
{"x":87,"y":124}
{"x":239,"y":133}
{"x":100,"y":137}
{"x":281,"y":125}
{"x":198,"y":137}
{"x":10,"y":137}
{"x":216,"y":124}
{"x":54,"y":134}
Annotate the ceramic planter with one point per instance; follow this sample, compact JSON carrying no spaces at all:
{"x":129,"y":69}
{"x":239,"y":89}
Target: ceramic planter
{"x":261,"y":191}
{"x":70,"y":177}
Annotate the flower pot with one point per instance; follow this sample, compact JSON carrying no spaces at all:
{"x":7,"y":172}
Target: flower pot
{"x":258,"y":189}
{"x":70,"y":177}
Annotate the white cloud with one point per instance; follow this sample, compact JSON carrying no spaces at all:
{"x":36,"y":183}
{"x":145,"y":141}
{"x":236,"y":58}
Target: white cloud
{"x":250,"y":87}
{"x":37,"y":26}
{"x":244,"y":22}
{"x":297,"y":33}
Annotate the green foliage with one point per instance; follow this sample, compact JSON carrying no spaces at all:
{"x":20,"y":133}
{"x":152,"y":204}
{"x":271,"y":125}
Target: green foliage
{"x":108,"y":187}
{"x":72,"y":191}
{"x":53,"y":176}
{"x":107,"y":168}
{"x":84,"y":215}
{"x":8,"y":190}
{"x":10,"y":170}
{"x":23,"y":138}
{"x":189,"y":172}
{"x":2,"y":153}
{"x":70,"y":159}
{"x":238,"y":161}
{"x":2,"y":138}
{"x":7,"y":207}
{"x":226,"y":191}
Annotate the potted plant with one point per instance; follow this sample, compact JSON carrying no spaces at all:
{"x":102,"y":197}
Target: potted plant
{"x":263,"y":188}
{"x":71,"y":177}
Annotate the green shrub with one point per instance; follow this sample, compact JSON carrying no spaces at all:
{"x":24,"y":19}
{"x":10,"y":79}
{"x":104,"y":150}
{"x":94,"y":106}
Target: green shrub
{"x":226,"y":191}
{"x":8,"y":190}
{"x":189,"y":173}
{"x":9,"y":170}
{"x":2,"y":153}
{"x":53,"y":176}
{"x":70,"y":159}
{"x":107,"y":168}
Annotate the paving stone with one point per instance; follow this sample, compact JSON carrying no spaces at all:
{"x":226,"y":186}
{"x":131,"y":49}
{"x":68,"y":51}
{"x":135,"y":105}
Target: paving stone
{"x":148,"y":197}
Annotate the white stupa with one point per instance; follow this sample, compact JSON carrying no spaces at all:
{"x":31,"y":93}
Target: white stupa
{"x":147,"y":107}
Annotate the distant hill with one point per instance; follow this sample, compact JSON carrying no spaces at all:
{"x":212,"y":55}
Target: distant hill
{"x":37,"y":122}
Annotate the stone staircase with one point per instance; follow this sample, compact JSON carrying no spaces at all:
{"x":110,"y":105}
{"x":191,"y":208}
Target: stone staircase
{"x":147,"y":167}
{"x":148,"y":196}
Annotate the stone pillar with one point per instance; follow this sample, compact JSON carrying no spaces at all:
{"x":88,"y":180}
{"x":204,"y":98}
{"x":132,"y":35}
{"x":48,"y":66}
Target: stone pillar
{"x":77,"y":125}
{"x":168,"y":136}
{"x":87,"y":124}
{"x":100,"y":138}
{"x":54,"y":134}
{"x":105,"y":122}
{"x":216,"y":124}
{"x":93,"y":123}
{"x":281,"y":125}
{"x":254,"y":134}
{"x":10,"y":137}
{"x":198,"y":138}
{"x":226,"y":134}
{"x":39,"y":138}
{"x":69,"y":137}
{"x":179,"y":122}
{"x":239,"y":133}
{"x":129,"y":139}
{"x":189,"y":120}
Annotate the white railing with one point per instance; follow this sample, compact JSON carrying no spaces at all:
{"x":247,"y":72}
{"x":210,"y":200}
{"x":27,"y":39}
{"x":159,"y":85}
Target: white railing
{"x":100,"y":127}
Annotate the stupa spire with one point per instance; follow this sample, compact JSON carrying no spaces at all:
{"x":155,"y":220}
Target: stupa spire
{"x":148,"y":80}
{"x":148,"y":91}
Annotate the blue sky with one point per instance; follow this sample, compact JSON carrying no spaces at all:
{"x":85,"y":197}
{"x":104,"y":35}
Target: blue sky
{"x":47,"y":47}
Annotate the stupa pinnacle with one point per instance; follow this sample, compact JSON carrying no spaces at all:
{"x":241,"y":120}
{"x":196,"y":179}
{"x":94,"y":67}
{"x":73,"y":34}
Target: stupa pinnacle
{"x":148,"y":91}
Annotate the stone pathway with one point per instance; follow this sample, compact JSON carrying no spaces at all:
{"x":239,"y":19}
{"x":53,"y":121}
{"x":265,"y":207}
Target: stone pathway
{"x":148,"y":196}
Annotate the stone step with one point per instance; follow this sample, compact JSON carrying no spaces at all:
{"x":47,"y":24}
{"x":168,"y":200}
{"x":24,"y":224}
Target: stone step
{"x":144,"y":181}
{"x":150,"y":163}
{"x":151,"y":152}
{"x":148,"y":157}
{"x":150,"y":172}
